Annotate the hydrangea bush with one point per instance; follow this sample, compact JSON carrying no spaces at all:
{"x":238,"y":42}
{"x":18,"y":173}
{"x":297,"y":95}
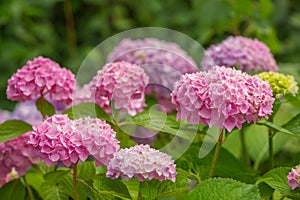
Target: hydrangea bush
{"x":65,"y":141}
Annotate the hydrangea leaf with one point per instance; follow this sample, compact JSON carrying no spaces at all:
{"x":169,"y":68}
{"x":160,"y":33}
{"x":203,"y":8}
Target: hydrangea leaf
{"x":87,"y":109}
{"x":50,"y":192}
{"x":132,"y":186}
{"x":45,"y":107}
{"x":13,"y":190}
{"x":293,"y":126}
{"x":86,"y":170}
{"x":154,"y":189}
{"x":13,"y":128}
{"x":117,"y":187}
{"x":67,"y":183}
{"x":277,"y":179}
{"x":53,"y":177}
{"x":225,"y":189}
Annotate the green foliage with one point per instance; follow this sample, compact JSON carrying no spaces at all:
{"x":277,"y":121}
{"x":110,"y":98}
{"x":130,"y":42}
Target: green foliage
{"x":224,"y":188}
{"x":13,"y":128}
{"x":45,"y":107}
{"x":13,"y":190}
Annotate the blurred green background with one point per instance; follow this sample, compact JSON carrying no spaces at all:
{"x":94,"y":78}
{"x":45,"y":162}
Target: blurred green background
{"x":66,"y":31}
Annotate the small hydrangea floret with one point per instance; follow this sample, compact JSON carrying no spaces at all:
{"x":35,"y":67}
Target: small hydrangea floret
{"x":56,"y":139}
{"x":141,"y":162}
{"x":281,"y":84}
{"x":98,"y":137}
{"x":122,"y":82}
{"x":294,"y":177}
{"x":222,"y":97}
{"x":248,"y":55}
{"x":41,"y":77}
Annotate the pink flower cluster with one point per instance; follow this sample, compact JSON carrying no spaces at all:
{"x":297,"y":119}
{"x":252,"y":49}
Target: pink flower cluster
{"x":122,"y":82}
{"x":83,"y":94}
{"x":249,"y":55}
{"x":16,"y":154}
{"x":98,"y":137}
{"x":294,"y":177}
{"x":141,"y":162}
{"x":222,"y":97}
{"x":59,"y":138}
{"x":55,"y":139}
{"x":164,"y":63}
{"x":41,"y":77}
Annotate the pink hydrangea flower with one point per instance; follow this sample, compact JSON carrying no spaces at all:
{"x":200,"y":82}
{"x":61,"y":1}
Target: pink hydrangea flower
{"x":16,"y":154}
{"x":249,"y":55}
{"x":294,"y":177}
{"x":56,"y":139}
{"x":41,"y":77}
{"x":4,"y":115}
{"x":122,"y":82}
{"x":27,"y":112}
{"x":164,"y":63}
{"x":83,"y":94}
{"x":141,"y":162}
{"x":98,"y":137}
{"x":222,"y":97}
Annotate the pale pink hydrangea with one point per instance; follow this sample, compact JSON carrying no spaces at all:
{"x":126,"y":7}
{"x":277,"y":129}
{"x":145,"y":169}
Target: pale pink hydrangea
{"x":164,"y":63}
{"x":142,"y":162}
{"x":122,"y":82}
{"x":13,"y":174}
{"x":17,"y":154}
{"x":41,"y":77}
{"x":222,"y":97}
{"x":98,"y":137}
{"x":27,"y":112}
{"x":249,"y":55}
{"x":294,"y":177}
{"x":83,"y":94}
{"x":4,"y":115}
{"x":56,"y":139}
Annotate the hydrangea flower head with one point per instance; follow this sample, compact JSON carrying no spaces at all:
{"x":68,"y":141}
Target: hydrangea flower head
{"x":281,"y":84}
{"x":56,"y":139}
{"x":142,"y":162}
{"x":83,"y":94}
{"x":98,"y":137}
{"x":41,"y":77}
{"x":164,"y":63}
{"x":249,"y":55}
{"x":294,"y":177}
{"x":27,"y":112}
{"x":122,"y":82}
{"x":222,"y":97}
{"x":16,"y":154}
{"x":4,"y":115}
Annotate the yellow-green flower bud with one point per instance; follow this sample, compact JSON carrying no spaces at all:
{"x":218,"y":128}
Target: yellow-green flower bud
{"x":281,"y":84}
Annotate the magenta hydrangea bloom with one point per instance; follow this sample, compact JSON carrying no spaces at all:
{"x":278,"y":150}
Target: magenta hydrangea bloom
{"x":122,"y":82}
{"x":41,"y":77}
{"x":142,"y":162}
{"x":222,"y":97}
{"x":98,"y":137}
{"x":164,"y":63}
{"x":16,"y":154}
{"x":294,"y":177}
{"x":56,"y":139}
{"x":249,"y":55}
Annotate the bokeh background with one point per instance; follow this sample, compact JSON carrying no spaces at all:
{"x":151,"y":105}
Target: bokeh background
{"x":67,"y":30}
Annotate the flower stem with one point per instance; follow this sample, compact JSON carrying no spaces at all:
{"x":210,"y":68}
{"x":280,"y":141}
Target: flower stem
{"x":31,"y":197}
{"x":75,"y":181}
{"x":271,"y":156}
{"x":216,"y":154}
{"x":245,"y":155}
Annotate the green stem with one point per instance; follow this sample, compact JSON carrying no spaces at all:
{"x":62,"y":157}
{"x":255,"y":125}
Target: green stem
{"x":42,"y":107}
{"x":70,"y":26}
{"x":75,"y":181}
{"x":216,"y":154}
{"x":31,"y":197}
{"x":245,"y":155}
{"x":271,"y":156}
{"x":140,"y":196}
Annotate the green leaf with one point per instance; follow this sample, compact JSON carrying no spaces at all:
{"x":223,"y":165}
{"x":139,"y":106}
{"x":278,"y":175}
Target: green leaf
{"x":45,"y":107}
{"x":53,"y":177}
{"x":87,"y":110}
{"x":50,"y":192}
{"x":67,"y":183}
{"x":278,"y":128}
{"x":132,"y":186}
{"x":13,"y":128}
{"x":293,"y":125}
{"x":160,"y":121}
{"x":277,"y":179}
{"x":94,"y":194}
{"x":116,"y":186}
{"x":86,"y":170}
{"x":13,"y":190}
{"x":154,"y":189}
{"x":225,"y":189}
